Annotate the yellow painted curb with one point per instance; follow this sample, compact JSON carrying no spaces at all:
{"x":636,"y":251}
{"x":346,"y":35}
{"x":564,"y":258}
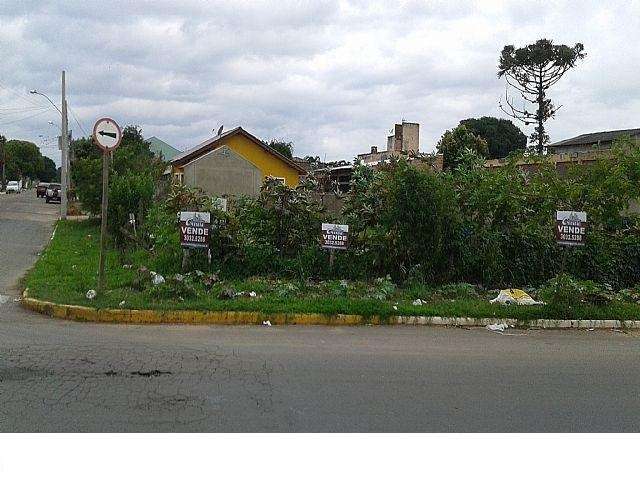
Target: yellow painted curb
{"x":196,"y":317}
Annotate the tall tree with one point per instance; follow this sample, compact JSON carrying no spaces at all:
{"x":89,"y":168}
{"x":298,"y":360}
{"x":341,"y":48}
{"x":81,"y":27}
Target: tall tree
{"x":532,"y":70}
{"x":132,"y":157}
{"x":502,"y":136}
{"x":455,"y":144}
{"x":49,"y":172}
{"x":23,"y":159}
{"x":283,"y":147}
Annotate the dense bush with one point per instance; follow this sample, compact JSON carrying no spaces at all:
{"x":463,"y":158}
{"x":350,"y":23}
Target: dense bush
{"x":404,"y":222}
{"x":129,"y":193}
{"x":564,"y":291}
{"x":509,"y":219}
{"x":161,"y":231}
{"x":492,"y":228}
{"x":278,"y":232}
{"x":132,"y":157}
{"x":86,"y":175}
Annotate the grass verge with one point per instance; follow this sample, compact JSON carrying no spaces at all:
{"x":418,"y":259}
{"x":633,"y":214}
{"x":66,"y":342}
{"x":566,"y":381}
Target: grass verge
{"x":67,"y":269}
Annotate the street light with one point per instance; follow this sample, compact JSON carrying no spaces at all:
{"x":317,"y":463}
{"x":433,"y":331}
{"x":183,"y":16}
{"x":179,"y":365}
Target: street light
{"x":35,"y":92}
{"x":64,"y":144}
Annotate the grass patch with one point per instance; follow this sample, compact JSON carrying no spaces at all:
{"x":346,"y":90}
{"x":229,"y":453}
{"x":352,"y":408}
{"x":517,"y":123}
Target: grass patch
{"x":68,"y":267}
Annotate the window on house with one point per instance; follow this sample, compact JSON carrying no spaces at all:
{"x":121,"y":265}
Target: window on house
{"x":280,"y":180}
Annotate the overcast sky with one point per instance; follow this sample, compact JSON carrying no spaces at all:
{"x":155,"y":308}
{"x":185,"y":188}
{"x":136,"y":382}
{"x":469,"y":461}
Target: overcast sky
{"x":330,"y":76}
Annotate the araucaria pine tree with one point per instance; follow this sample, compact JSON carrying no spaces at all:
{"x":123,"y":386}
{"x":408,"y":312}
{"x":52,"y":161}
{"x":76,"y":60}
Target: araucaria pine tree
{"x":532,"y":70}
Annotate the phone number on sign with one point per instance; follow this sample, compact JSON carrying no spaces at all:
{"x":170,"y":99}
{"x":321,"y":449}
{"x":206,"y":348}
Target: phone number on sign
{"x":194,"y":239}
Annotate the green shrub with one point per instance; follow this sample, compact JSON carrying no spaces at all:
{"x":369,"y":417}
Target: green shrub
{"x":87,"y":177}
{"x":278,"y":232}
{"x":456,"y":291}
{"x":128,"y":194}
{"x":564,"y":291}
{"x":403,"y":222}
{"x":132,"y":157}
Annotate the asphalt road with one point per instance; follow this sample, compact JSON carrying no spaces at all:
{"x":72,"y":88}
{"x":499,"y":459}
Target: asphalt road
{"x":65,"y":376}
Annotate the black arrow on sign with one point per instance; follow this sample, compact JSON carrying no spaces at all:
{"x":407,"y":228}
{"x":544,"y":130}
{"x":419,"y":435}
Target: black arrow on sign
{"x":107,"y":134}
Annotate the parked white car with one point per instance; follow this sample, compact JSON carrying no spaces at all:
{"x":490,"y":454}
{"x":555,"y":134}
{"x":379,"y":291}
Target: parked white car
{"x":13,"y":187}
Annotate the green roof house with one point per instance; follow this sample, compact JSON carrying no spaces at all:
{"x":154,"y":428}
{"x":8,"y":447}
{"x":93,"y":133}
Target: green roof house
{"x":162,"y":149}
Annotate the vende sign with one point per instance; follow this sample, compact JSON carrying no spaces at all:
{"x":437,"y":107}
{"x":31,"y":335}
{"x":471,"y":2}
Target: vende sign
{"x":334,"y":236}
{"x":571,"y":227}
{"x":194,"y":229}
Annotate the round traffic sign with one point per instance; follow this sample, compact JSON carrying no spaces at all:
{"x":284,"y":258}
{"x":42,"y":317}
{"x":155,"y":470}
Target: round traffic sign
{"x":107,"y":134}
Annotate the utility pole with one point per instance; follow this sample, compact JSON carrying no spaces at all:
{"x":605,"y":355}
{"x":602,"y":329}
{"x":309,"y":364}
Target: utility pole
{"x":65,"y":152}
{"x":3,"y":160}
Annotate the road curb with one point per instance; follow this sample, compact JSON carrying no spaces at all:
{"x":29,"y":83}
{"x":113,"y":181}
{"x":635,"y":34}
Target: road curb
{"x":195,"y":317}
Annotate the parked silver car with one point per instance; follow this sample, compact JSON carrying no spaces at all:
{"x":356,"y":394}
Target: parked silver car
{"x":13,"y":187}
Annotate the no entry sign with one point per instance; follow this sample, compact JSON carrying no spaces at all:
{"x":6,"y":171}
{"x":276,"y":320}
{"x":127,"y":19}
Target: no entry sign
{"x":194,"y":229}
{"x":571,"y":227}
{"x":334,"y":236}
{"x":107,"y":134}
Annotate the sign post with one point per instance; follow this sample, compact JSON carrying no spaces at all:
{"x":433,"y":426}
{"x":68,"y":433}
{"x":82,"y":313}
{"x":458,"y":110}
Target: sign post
{"x":194,"y":233}
{"x":571,"y":230}
{"x":107,"y":135}
{"x":334,"y":237}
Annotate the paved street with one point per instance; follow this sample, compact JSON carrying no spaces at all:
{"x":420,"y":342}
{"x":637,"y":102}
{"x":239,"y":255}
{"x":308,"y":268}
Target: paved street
{"x":65,"y":376}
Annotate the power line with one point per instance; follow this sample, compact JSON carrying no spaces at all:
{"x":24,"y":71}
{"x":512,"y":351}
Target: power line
{"x":20,"y":95}
{"x":25,"y":118}
{"x":77,"y":121}
{"x":8,"y":110}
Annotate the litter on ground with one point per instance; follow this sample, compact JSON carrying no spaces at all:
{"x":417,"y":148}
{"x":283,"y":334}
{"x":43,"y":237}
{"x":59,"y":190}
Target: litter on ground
{"x":497,"y":327}
{"x":501,"y":327}
{"x":513,"y":296}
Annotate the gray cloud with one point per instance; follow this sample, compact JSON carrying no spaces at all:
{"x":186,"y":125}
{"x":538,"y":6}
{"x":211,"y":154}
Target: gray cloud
{"x":332,"y":76}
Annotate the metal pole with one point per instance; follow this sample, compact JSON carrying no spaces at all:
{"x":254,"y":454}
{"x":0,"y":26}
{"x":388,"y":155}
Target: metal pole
{"x":2,"y":158}
{"x":103,"y":224}
{"x":65,"y":151}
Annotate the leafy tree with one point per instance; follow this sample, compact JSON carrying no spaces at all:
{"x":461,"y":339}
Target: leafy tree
{"x":455,"y":143}
{"x":532,"y":70}
{"x":133,"y":156}
{"x":49,"y":171}
{"x":283,"y":147}
{"x":87,"y":178}
{"x":501,"y":135}
{"x":23,"y":159}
